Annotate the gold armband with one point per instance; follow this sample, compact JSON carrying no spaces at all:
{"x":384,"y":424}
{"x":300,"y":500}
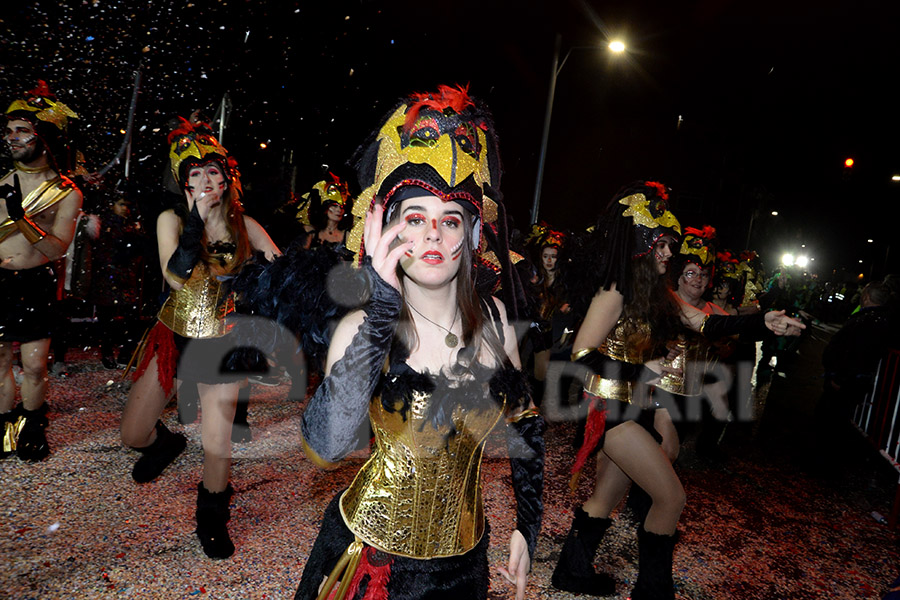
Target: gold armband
{"x":32,"y":232}
{"x":525,"y":414}
{"x":583,"y":352}
{"x":703,"y":323}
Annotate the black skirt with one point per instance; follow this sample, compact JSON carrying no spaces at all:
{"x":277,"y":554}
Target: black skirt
{"x":452,"y":578}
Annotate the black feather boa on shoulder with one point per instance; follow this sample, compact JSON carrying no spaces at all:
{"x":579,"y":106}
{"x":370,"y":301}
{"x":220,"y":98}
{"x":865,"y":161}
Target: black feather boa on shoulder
{"x":305,"y":292}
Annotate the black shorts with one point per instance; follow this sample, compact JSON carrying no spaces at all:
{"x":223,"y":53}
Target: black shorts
{"x":26,"y":303}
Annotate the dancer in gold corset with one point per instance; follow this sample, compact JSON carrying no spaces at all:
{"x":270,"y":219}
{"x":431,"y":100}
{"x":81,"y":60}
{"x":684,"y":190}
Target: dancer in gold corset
{"x":430,"y":366}
{"x":203,"y":238}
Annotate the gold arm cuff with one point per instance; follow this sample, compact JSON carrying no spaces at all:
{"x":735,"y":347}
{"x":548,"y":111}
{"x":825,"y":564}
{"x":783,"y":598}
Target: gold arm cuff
{"x":581,"y":353}
{"x":703,"y":323}
{"x":525,"y":414}
{"x":32,"y":232}
{"x":315,"y":458}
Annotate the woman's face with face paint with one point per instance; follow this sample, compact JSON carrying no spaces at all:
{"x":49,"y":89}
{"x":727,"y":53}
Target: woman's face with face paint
{"x":438,"y":232}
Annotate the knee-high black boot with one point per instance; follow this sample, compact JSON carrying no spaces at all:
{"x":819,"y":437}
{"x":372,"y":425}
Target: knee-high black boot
{"x":158,"y":455}
{"x":213,"y":514}
{"x":575,"y":570}
{"x":32,"y":443}
{"x":654,"y":580}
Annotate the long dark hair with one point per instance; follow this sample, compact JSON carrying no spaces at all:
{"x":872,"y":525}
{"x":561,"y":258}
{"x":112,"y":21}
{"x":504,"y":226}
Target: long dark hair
{"x":652,"y":301}
{"x":234,"y":224}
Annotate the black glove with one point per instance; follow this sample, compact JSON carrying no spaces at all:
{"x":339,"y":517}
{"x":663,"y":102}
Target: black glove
{"x":13,"y":196}
{"x":186,"y":255}
{"x":526,"y":457}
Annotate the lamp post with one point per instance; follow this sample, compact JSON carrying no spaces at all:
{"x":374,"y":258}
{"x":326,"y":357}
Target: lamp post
{"x":616,"y":47}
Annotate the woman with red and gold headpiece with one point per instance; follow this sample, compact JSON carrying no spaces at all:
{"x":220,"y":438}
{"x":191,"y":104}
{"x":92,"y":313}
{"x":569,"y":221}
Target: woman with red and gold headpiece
{"x":205,"y":238}
{"x":622,"y":342}
{"x":430,"y":365}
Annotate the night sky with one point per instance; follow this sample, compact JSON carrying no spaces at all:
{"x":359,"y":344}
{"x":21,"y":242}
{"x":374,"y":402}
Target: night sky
{"x":738,"y":106}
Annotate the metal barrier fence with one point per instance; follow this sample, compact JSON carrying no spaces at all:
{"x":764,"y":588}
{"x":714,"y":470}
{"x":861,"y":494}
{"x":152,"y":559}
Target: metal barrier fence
{"x":878,"y":418}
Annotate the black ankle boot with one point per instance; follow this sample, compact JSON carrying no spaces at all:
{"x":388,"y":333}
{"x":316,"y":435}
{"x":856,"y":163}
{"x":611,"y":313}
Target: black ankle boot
{"x":158,"y":455}
{"x":654,"y":580}
{"x":213,"y":514}
{"x":575,"y":570}
{"x":32,"y":443}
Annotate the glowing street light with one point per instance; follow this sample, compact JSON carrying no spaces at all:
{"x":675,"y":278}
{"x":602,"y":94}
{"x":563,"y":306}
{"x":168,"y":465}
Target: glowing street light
{"x":787,"y":260}
{"x":802,"y":261}
{"x":895,"y":177}
{"x":870,"y":240}
{"x":617,"y":46}
{"x":774,"y":213}
{"x":848,"y":163}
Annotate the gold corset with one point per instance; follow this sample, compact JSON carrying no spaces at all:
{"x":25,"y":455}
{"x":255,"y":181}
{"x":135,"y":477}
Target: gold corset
{"x":419,"y":494}
{"x":198,"y":310}
{"x":692,"y":359}
{"x":615,"y":346}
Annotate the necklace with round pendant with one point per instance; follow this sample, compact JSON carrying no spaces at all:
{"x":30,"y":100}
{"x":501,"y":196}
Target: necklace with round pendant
{"x":451,"y":340}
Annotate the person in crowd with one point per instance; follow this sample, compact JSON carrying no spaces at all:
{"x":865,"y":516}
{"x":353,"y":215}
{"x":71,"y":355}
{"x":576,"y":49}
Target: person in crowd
{"x":327,"y":213}
{"x":201,"y":241}
{"x":430,"y":365}
{"x":623,"y":344}
{"x":37,"y":222}
{"x":553,"y":319}
{"x":851,"y":360}
{"x":115,"y":285}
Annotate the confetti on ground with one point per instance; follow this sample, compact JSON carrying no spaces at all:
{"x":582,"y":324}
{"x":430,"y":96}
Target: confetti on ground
{"x":756,"y":527}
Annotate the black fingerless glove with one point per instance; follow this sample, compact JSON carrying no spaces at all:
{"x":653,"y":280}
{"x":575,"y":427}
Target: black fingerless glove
{"x":13,"y":196}
{"x":186,"y":255}
{"x":526,"y":457}
{"x":610,"y":368}
{"x":750,"y":327}
{"x":333,"y":423}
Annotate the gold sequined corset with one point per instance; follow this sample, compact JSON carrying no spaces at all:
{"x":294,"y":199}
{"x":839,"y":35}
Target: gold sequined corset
{"x":692,"y":358}
{"x":198,"y":310}
{"x":419,"y":494}
{"x":635,"y":349}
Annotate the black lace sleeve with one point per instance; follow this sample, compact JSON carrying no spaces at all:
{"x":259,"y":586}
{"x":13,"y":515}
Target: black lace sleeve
{"x":334,"y":421}
{"x":525,"y":442}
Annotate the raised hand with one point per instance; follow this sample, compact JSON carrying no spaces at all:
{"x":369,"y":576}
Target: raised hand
{"x":378,"y":246}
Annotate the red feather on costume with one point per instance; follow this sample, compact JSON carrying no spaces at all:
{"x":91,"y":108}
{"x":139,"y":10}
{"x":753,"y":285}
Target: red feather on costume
{"x":42,"y":90}
{"x":707,"y":233}
{"x":379,"y":576}
{"x":593,"y":431}
{"x":161,"y":344}
{"x":455,"y":98}
{"x":661,"y":190}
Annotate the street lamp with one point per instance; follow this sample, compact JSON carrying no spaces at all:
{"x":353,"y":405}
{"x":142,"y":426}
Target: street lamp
{"x":616,"y":46}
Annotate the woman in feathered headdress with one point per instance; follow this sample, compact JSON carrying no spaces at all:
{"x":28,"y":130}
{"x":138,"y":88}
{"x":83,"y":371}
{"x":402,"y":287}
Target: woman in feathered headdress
{"x":430,"y":365}
{"x":202,"y":241}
